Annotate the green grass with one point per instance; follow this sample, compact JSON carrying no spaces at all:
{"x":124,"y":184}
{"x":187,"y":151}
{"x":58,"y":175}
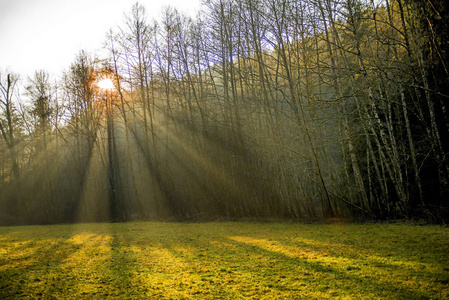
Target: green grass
{"x":224,"y":261}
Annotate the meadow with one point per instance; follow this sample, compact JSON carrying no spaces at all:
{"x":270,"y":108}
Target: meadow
{"x":224,"y":260}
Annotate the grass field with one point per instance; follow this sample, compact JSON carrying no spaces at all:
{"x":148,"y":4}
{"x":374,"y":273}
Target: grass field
{"x":224,"y":261}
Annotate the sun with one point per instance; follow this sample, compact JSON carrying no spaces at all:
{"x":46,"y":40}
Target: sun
{"x":106,"y":84}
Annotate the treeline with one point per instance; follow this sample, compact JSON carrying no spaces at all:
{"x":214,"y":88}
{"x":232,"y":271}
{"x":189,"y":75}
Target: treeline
{"x":252,"y":109}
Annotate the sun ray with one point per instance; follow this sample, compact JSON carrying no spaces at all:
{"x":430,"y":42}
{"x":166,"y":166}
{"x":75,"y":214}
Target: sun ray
{"x":93,"y":200}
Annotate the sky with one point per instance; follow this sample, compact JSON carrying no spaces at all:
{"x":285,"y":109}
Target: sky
{"x":47,"y":34}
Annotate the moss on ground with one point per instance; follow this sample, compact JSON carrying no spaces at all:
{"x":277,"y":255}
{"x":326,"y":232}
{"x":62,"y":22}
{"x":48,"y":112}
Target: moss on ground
{"x":149,"y":260}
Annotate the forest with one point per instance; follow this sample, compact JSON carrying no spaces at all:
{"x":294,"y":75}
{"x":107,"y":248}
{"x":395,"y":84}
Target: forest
{"x":254,"y":109}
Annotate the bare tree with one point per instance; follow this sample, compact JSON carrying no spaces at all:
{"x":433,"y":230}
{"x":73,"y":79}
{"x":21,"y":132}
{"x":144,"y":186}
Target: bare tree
{"x":10,"y":132}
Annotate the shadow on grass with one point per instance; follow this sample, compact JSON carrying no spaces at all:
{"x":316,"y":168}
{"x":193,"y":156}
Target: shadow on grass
{"x":118,"y":274}
{"x":324,"y":278}
{"x":30,"y":270}
{"x":232,"y":266}
{"x":85,"y":263}
{"x":206,"y":261}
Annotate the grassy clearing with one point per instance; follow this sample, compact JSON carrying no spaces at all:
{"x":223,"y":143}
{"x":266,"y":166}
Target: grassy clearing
{"x":224,"y":261}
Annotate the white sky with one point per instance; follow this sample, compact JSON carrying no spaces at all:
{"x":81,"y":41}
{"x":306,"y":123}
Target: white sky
{"x":47,"y":34}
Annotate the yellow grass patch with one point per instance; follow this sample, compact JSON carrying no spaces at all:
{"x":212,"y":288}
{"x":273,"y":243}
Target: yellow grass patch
{"x":224,"y":261}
